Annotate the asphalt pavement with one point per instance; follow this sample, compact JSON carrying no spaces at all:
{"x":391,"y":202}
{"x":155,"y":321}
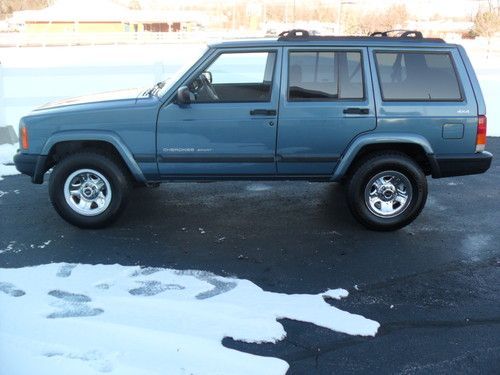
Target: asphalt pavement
{"x":434,"y":286}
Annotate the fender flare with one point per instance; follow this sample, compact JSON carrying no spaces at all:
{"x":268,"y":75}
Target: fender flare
{"x":380,"y":138}
{"x":103,"y":136}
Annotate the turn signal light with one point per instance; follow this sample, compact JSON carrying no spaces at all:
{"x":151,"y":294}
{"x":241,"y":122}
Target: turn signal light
{"x":481,"y":133}
{"x":24,"y":138}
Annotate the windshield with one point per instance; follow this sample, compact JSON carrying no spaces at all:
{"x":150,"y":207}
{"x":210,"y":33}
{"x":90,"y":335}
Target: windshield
{"x":174,"y":77}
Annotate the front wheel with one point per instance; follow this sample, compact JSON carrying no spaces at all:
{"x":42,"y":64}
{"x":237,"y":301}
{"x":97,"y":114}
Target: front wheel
{"x":89,"y":189}
{"x":387,"y":191}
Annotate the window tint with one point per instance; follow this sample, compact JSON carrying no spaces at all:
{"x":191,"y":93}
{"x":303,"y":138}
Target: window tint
{"x":325,"y":75}
{"x":417,"y":76}
{"x":236,"y":77}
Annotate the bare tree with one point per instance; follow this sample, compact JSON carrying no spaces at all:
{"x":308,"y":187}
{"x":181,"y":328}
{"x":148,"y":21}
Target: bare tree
{"x":487,"y":23}
{"x":394,"y":17}
{"x":134,"y":5}
{"x":7,"y":7}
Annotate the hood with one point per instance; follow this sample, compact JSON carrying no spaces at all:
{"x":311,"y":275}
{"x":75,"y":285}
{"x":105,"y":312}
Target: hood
{"x":95,"y":98}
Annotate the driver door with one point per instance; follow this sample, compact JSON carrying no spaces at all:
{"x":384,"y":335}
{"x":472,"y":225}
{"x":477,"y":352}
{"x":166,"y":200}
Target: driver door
{"x":230,"y":126}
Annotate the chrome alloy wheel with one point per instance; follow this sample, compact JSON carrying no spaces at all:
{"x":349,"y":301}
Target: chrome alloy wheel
{"x":388,"y":194}
{"x":87,"y":192}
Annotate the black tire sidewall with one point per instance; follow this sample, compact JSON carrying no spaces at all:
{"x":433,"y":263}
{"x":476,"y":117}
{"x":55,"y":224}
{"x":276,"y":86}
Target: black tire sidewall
{"x":360,"y":178}
{"x":102,"y":164}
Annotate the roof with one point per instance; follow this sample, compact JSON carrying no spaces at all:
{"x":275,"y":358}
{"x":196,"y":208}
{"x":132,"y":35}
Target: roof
{"x":361,"y":41}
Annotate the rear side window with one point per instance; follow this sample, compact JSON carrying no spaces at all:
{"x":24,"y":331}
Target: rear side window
{"x":417,"y":76}
{"x":325,"y":76}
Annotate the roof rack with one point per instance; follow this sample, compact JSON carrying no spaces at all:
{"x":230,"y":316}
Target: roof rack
{"x":402,"y":34}
{"x":294,"y":33}
{"x":407,"y":35}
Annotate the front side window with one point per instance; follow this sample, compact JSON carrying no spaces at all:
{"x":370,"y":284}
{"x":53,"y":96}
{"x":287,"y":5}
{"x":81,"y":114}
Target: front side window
{"x":417,"y":76}
{"x":236,"y":77}
{"x":325,"y":76}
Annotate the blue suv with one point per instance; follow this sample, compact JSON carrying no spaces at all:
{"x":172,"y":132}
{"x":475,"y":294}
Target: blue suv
{"x":378,"y":113}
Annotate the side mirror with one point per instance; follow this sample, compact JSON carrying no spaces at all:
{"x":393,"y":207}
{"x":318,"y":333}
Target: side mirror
{"x":208,"y":76}
{"x":183,"y":95}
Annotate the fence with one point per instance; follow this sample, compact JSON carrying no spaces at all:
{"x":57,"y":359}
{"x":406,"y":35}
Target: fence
{"x":20,"y":39}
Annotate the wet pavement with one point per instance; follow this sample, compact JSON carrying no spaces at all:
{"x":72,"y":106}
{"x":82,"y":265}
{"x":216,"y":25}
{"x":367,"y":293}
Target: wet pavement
{"x":434,"y":286}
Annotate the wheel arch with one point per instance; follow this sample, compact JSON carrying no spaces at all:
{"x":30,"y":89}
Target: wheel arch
{"x":64,"y":143}
{"x":413,"y":145}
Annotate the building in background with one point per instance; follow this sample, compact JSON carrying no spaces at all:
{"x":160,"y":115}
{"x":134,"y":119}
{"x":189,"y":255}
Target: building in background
{"x":135,"y":21}
{"x":100,"y":16}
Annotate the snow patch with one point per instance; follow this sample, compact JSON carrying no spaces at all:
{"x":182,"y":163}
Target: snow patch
{"x":9,"y":248}
{"x":7,"y":152}
{"x":258,"y":187}
{"x":433,"y":203}
{"x":7,"y":170}
{"x":90,"y":319}
{"x":43,"y":245}
{"x":475,"y":244}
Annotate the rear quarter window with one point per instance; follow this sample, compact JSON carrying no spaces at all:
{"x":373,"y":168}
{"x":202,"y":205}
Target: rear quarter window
{"x":417,"y":76}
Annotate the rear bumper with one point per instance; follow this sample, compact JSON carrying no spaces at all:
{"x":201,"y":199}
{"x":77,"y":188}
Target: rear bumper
{"x":461,"y":165}
{"x":32,"y":165}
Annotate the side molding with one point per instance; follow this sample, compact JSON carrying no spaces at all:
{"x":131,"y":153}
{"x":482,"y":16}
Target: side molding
{"x":104,"y":136}
{"x":378,"y":138}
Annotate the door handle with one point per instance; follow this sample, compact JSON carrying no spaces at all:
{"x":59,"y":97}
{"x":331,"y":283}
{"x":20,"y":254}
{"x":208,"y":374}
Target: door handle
{"x":263,"y":112}
{"x":356,"y":111}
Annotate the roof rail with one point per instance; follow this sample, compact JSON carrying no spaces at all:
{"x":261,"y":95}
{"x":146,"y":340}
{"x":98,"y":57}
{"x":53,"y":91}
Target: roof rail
{"x":402,"y":34}
{"x":389,"y":35}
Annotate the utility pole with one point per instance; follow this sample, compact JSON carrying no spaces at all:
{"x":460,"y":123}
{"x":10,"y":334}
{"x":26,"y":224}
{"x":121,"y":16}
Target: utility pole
{"x":286,"y":11}
{"x":339,"y":14}
{"x":294,"y":20}
{"x":339,"y":17}
{"x":233,"y":27}
{"x":264,"y":12}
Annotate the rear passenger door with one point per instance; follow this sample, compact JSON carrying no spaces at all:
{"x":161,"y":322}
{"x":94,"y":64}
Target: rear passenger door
{"x":326,"y":100}
{"x":425,"y":91}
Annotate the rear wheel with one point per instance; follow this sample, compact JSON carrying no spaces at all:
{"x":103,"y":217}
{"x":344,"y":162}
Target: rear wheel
{"x":89,"y":189}
{"x":387,"y":191}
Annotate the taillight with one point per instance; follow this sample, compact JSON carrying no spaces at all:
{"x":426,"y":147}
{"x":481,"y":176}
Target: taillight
{"x":24,"y":138}
{"x":481,"y":133}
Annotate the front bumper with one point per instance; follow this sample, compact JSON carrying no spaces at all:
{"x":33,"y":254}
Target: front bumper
{"x":462,"y":164}
{"x":32,"y":165}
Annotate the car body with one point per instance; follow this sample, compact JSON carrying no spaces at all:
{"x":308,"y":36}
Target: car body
{"x":298,"y":107}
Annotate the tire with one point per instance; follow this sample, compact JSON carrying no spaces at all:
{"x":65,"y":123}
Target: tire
{"x":377,"y":188}
{"x":100,"y":187}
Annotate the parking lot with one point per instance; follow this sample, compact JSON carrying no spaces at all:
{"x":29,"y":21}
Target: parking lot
{"x":434,"y":286}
